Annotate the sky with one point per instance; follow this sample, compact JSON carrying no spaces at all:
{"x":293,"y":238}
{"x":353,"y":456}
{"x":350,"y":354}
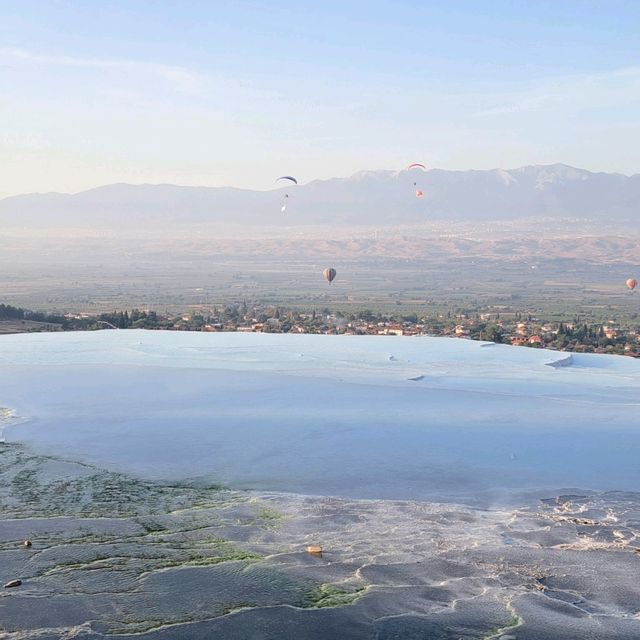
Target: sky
{"x":236,"y":93}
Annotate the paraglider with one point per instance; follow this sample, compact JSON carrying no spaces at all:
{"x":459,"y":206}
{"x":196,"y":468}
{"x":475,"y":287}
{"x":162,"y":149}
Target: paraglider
{"x":329,"y":274}
{"x":286,"y":195}
{"x":632,"y":283}
{"x":291,"y":178}
{"x":421,"y":167}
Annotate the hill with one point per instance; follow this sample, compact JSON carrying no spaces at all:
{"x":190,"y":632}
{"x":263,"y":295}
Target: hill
{"x":383,"y":198}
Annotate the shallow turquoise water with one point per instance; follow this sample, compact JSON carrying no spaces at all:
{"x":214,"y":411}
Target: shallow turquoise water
{"x":379,"y":417}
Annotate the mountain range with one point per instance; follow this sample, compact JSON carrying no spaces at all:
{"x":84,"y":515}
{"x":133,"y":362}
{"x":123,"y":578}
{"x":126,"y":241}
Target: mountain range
{"x":366,"y":198}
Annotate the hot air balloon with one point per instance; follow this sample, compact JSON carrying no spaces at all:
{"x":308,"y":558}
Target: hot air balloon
{"x":632,"y":283}
{"x":290,"y":179}
{"x":419,"y":193}
{"x":329,"y":274}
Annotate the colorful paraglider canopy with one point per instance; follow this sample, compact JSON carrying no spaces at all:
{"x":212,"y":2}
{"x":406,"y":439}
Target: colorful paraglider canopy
{"x":419,"y":193}
{"x":415,"y":165}
{"x":329,"y":274}
{"x":632,"y":283}
{"x":290,"y":178}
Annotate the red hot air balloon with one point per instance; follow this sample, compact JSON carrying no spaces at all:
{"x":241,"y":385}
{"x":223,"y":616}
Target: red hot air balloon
{"x":632,"y":283}
{"x":419,"y":193}
{"x":329,"y":274}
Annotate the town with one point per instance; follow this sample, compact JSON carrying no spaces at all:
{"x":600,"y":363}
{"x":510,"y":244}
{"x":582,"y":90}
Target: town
{"x":613,"y":336}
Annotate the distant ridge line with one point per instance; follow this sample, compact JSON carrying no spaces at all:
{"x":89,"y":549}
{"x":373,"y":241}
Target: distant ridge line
{"x":381,"y":197}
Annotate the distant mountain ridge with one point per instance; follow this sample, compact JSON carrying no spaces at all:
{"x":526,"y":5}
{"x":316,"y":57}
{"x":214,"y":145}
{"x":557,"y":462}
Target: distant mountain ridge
{"x":366,"y":198}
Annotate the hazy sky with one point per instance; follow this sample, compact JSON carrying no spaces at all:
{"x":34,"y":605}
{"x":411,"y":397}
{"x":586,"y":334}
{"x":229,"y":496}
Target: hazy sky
{"x":237,"y":93}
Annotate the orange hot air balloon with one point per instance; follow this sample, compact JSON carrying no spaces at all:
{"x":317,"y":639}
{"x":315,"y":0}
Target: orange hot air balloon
{"x":419,"y":193}
{"x":632,"y":283}
{"x":329,"y":274}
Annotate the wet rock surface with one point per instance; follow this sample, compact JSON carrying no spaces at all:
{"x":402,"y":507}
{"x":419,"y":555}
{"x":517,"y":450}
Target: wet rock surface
{"x":112,"y":556}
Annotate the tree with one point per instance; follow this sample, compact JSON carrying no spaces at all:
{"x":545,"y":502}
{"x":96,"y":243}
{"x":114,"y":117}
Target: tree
{"x":493,"y":333}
